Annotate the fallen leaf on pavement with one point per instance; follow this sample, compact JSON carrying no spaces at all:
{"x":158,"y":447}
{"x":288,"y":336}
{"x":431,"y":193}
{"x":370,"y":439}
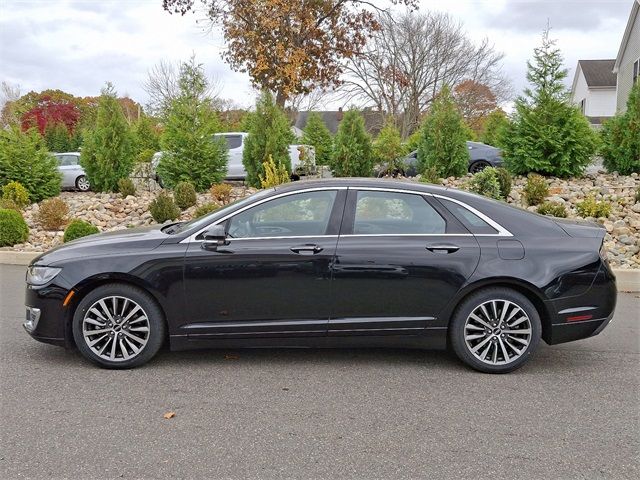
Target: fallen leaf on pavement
{"x":169,"y":415}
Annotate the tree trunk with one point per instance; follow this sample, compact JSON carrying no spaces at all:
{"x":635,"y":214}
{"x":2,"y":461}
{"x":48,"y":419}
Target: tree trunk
{"x":281,"y":98}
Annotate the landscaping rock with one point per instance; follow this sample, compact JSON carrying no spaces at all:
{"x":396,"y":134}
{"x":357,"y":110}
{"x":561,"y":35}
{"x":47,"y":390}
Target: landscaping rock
{"x":109,"y":211}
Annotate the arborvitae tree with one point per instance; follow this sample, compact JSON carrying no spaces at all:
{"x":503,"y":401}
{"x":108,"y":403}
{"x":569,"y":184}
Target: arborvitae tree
{"x":494,"y":127}
{"x":190,"y":152}
{"x":387,"y":148}
{"x":353,"y":151}
{"x":145,"y":134}
{"x":621,"y":137}
{"x":318,"y":135}
{"x":24,"y":158}
{"x":442,"y":146}
{"x":547,"y":134}
{"x":269,"y":134}
{"x":107,"y":153}
{"x":57,"y":137}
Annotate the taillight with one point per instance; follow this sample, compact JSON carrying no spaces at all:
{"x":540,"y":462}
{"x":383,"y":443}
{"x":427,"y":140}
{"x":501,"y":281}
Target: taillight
{"x":603,"y":253}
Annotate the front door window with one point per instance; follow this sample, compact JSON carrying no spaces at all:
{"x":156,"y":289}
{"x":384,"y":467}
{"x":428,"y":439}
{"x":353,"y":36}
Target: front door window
{"x":302,"y":214}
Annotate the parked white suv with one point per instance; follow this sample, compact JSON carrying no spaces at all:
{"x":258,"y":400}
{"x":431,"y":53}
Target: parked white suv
{"x":73,"y":175}
{"x":235,"y":168}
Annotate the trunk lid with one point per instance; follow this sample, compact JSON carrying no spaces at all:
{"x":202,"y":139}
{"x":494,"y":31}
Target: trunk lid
{"x":581,"y":228}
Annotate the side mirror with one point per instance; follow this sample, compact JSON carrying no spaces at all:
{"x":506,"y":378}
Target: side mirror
{"x":214,"y":237}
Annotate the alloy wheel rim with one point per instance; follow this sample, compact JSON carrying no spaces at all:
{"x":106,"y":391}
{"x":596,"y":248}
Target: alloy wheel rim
{"x":83,"y":184}
{"x":116,"y":328}
{"x":478,"y":167}
{"x":497,"y":332}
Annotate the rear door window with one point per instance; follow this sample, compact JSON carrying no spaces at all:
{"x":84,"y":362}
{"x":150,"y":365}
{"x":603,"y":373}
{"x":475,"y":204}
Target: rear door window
{"x":394,"y":213}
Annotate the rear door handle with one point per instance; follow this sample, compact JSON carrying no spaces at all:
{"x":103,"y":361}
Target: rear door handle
{"x":443,"y":248}
{"x":308,"y":249}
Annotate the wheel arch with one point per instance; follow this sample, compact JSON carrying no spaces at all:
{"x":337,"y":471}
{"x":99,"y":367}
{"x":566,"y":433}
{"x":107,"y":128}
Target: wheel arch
{"x":530,"y":291}
{"x":82,"y":289}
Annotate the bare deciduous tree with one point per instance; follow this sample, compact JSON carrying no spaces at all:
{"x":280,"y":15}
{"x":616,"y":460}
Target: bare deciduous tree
{"x":162,"y":87}
{"x":412,"y":56}
{"x":8,"y":93}
{"x":314,"y":100}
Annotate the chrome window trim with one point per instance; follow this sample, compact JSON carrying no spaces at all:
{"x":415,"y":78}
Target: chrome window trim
{"x":274,"y":238}
{"x":407,"y":235}
{"x":501,"y":231}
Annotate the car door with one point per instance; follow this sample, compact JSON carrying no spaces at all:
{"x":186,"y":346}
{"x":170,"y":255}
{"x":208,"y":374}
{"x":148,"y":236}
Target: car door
{"x":235,"y":168}
{"x":273,"y":278}
{"x":400,"y":258}
{"x":67,"y":164}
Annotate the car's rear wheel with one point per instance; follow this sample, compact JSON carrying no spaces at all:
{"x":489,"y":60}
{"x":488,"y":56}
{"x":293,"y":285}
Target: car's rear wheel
{"x":118,"y":326}
{"x":478,"y":166}
{"x":82,"y":183}
{"x":495,"y":330}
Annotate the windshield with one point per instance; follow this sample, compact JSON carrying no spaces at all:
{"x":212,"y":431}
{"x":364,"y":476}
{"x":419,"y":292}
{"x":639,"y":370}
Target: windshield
{"x":203,"y":221}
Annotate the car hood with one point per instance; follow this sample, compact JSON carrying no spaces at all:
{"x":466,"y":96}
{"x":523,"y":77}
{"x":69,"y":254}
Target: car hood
{"x":121,"y":241}
{"x":581,"y":228}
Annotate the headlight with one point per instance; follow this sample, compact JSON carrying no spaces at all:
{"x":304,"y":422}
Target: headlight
{"x":41,"y":275}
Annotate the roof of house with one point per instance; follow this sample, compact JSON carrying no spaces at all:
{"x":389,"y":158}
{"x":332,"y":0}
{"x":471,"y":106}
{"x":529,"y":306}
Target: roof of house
{"x":598,"y":73}
{"x":635,"y":8}
{"x":373,"y":120}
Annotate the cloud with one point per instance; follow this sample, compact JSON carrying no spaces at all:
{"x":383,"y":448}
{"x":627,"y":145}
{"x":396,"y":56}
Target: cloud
{"x":579,"y":15}
{"x":78,"y":45}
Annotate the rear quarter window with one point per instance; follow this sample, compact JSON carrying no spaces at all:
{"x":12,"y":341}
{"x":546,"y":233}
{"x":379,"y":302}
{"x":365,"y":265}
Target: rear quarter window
{"x":470,"y":220}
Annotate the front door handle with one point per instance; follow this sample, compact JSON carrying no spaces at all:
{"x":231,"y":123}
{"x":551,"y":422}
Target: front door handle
{"x":443,"y":248}
{"x":308,"y":249}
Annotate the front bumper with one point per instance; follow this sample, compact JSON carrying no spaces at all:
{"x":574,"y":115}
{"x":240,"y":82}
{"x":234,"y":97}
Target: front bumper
{"x":46,"y":317}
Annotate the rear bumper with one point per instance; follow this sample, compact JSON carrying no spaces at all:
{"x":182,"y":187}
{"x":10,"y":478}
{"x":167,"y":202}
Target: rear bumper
{"x":598,"y":303}
{"x":568,"y":332}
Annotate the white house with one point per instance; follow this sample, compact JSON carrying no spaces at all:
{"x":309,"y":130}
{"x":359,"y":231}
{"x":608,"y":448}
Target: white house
{"x":594,"y":89}
{"x":627,"y":65}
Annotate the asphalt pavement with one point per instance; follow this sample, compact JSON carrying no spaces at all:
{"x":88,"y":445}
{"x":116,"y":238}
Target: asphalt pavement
{"x":572,"y":412}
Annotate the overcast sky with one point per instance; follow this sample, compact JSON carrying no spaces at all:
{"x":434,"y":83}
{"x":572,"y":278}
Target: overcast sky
{"x":78,"y":45}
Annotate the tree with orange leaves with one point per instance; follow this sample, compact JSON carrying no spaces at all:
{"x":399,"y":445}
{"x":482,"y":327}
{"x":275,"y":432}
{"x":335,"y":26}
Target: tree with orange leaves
{"x":289,"y":47}
{"x":475,"y":102}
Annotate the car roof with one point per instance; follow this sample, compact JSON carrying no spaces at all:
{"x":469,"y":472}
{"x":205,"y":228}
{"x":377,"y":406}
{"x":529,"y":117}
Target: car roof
{"x":361,"y":182}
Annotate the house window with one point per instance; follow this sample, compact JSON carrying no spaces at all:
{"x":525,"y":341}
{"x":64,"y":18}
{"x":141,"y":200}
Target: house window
{"x":583,"y":104}
{"x":636,"y":70}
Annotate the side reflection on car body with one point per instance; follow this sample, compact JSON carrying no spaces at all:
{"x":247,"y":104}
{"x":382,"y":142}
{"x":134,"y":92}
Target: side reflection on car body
{"x":344,"y":262}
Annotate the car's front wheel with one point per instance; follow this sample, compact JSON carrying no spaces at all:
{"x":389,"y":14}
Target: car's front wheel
{"x":495,"y":330}
{"x":82,"y":183}
{"x":118,"y":326}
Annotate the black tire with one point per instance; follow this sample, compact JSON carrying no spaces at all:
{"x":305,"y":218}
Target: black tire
{"x":511,"y":299}
{"x":478,"y":166}
{"x":154,"y":322}
{"x":82,"y":183}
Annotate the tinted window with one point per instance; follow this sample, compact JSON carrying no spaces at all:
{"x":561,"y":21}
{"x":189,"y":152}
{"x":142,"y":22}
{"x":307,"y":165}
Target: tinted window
{"x":300,"y":214}
{"x":67,"y":160}
{"x":395,"y":213}
{"x":470,"y":220}
{"x":233,"y":141}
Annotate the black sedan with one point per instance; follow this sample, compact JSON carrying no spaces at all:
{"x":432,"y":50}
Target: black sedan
{"x":336,"y":263}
